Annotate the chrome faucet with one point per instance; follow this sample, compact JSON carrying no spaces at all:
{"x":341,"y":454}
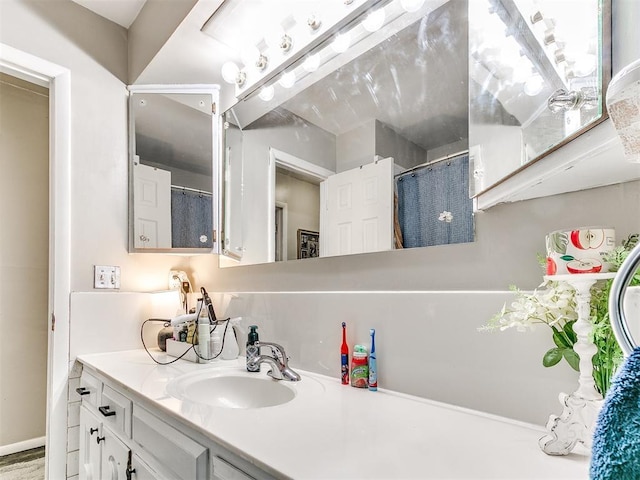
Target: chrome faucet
{"x":278,"y":361}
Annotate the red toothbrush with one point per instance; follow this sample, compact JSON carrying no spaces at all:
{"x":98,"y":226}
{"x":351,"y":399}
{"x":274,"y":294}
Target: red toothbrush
{"x":344,"y":351}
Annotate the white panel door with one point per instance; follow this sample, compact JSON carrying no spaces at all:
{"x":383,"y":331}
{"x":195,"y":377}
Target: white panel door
{"x":115,"y":455}
{"x":358,"y":210}
{"x":90,"y":448}
{"x":152,"y":207}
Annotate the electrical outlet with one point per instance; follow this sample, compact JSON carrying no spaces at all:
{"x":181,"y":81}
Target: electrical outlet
{"x":105,"y":276}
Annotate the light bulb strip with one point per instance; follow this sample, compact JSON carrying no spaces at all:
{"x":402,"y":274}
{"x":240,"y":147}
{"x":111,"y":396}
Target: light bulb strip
{"x":283,"y":61}
{"x":362,"y":40}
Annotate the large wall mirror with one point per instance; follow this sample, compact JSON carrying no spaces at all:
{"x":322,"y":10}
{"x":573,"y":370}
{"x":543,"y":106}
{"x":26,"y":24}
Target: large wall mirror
{"x":173,"y":182}
{"x":538,"y":76}
{"x":355,"y":149}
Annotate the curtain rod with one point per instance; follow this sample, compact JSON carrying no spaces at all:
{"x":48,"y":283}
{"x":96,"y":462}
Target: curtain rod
{"x":194,"y":190}
{"x":433,"y":162}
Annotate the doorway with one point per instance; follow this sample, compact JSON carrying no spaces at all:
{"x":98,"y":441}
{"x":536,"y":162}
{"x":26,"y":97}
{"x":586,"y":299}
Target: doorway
{"x":295,"y":183}
{"x":58,"y":80}
{"x":24,"y":262}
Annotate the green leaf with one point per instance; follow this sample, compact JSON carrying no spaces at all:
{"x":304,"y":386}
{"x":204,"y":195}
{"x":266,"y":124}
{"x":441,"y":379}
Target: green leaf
{"x":568,"y":330}
{"x":572,"y":358}
{"x":559,"y":339}
{"x":567,"y":258}
{"x":552,"y":357}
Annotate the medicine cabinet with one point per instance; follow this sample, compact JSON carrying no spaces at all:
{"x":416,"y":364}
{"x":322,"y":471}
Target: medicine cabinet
{"x":173,"y":170}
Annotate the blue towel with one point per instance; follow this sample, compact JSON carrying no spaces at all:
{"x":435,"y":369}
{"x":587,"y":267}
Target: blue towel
{"x":615,"y":454}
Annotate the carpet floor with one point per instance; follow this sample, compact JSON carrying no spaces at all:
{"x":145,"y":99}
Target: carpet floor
{"x":28,"y":465}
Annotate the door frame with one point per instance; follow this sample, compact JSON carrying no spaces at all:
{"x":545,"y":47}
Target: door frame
{"x":58,"y":80}
{"x":314,"y":173}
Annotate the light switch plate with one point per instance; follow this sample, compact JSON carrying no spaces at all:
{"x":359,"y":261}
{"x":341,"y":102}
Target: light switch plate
{"x":105,"y":276}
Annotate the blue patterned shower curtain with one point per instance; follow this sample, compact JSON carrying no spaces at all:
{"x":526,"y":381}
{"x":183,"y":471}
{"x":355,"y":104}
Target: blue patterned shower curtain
{"x":424,"y":198}
{"x":191,"y":219}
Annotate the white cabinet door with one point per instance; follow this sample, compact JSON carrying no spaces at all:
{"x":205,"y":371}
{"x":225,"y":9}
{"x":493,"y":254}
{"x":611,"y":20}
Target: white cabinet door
{"x":357,"y":211}
{"x":90,"y":448}
{"x":115,"y":455}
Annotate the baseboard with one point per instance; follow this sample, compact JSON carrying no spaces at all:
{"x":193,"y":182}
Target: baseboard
{"x":22,"y":446}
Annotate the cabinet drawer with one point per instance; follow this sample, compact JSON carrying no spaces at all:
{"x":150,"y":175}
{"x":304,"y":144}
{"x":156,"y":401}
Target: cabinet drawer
{"x":142,"y":471}
{"x":89,"y":389}
{"x":115,"y":411}
{"x":179,"y":454}
{"x":223,"y":470}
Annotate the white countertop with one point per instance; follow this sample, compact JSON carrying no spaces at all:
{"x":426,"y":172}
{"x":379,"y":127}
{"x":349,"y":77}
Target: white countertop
{"x":333,"y":431}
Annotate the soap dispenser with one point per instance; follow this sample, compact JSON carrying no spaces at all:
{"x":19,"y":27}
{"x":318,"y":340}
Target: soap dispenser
{"x":253,"y":350}
{"x":230,"y":348}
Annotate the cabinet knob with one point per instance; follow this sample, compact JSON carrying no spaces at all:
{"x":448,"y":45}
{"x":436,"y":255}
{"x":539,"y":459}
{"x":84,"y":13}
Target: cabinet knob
{"x":92,"y":431}
{"x":99,"y":439}
{"x":106,"y":411}
{"x":82,"y":391}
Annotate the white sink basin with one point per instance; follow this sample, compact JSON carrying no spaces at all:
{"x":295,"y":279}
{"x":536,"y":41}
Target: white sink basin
{"x":231,"y":389}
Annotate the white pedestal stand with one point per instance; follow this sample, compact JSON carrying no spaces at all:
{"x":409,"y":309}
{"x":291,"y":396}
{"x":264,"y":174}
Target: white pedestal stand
{"x":577,"y":421}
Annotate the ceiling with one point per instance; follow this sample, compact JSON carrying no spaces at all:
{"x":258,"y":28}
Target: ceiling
{"x":411,"y":71}
{"x":122,"y":12}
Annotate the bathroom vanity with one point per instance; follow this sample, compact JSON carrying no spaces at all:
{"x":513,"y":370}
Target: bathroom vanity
{"x":179,"y":421}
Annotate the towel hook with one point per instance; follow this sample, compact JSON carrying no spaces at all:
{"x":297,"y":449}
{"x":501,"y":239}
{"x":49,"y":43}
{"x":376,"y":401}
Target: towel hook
{"x":617,"y":315}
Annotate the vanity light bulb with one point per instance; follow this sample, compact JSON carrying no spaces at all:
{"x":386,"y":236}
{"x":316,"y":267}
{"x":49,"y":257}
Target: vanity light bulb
{"x":229,"y":72}
{"x":312,"y":63}
{"x":341,"y":42}
{"x":267,"y":93}
{"x":374,"y":20}
{"x":287,"y":80}
{"x":411,"y":5}
{"x":273,"y":36}
{"x":249,"y":55}
{"x":534,"y":85}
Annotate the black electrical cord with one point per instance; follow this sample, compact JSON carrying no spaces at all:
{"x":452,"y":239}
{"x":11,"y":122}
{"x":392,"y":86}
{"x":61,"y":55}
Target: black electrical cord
{"x":166,"y":324}
{"x":195,"y":350}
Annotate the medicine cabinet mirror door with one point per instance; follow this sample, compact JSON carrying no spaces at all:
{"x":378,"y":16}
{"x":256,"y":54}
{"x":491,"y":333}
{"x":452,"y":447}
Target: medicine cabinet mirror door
{"x":538,"y":76}
{"x":173,"y":179}
{"x":394,"y":103}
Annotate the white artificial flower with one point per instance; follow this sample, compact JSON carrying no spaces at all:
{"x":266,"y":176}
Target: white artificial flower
{"x":445,"y":217}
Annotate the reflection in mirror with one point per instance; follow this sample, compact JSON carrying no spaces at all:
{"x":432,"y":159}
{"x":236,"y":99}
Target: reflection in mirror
{"x":538,"y":70}
{"x":172,"y":199}
{"x":376,"y":139}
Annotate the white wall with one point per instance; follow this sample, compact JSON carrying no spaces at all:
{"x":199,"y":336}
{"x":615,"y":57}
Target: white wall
{"x":452,"y":290}
{"x":24,"y":261}
{"x":313,"y":145}
{"x":356,"y":147}
{"x":95,"y":51}
{"x":389,"y":143}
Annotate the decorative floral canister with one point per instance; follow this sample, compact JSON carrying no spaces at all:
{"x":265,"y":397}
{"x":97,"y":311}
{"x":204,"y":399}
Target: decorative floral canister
{"x":579,"y":251}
